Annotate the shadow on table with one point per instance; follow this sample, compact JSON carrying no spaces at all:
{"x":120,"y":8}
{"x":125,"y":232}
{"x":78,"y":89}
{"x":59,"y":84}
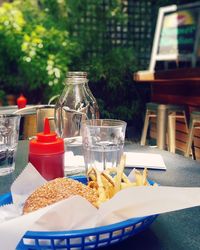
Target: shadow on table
{"x":139,"y":241}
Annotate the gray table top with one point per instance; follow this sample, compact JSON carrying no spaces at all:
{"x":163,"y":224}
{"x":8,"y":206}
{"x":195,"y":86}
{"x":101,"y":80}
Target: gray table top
{"x":174,"y":230}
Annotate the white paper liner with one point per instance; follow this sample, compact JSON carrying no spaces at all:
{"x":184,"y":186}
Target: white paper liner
{"x":74,"y":164}
{"x":66,"y":215}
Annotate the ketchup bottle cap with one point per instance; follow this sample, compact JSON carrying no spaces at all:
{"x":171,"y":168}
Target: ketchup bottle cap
{"x":46,"y":142}
{"x":21,"y":101}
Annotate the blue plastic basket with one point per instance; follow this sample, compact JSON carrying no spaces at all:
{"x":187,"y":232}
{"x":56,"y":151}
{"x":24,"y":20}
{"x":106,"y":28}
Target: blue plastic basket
{"x":81,"y":239}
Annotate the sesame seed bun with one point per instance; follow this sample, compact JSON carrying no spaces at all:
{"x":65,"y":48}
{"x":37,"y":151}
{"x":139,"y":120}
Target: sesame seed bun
{"x":56,"y":190}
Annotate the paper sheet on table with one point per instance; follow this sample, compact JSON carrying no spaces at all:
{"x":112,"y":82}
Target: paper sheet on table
{"x":145,"y":160}
{"x":128,"y":203}
{"x":74,"y":164}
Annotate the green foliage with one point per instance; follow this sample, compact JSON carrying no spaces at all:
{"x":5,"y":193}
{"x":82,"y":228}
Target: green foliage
{"x":35,"y":52}
{"x":41,"y":40}
{"x":110,"y":66}
{"x":2,"y":97}
{"x":116,"y":92}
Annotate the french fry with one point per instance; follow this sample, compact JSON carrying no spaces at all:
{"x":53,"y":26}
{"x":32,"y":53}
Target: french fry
{"x":109,"y":187}
{"x":93,"y":184}
{"x":91,"y":174}
{"x":101,"y":189}
{"x":112,"y":180}
{"x":109,"y":178}
{"x":120,"y":171}
{"x":125,"y":179}
{"x":144,"y":175}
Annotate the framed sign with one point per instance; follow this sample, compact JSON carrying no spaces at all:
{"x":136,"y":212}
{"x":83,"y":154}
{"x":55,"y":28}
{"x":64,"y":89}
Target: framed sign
{"x":177,"y":34}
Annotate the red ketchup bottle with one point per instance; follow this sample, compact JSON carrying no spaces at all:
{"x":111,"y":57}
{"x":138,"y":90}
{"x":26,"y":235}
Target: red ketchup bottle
{"x":46,"y":153}
{"x":21,"y":102}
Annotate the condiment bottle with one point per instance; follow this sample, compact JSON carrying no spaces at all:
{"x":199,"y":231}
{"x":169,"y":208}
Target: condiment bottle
{"x":46,"y":153}
{"x":21,"y":101}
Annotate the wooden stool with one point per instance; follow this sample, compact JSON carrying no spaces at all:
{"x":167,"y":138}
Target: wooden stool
{"x":166,"y":115}
{"x":151,"y":110}
{"x":194,"y":123}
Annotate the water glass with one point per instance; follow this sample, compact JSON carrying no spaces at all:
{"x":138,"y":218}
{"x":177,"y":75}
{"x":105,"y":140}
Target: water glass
{"x":103,"y":142}
{"x":9,"y":134}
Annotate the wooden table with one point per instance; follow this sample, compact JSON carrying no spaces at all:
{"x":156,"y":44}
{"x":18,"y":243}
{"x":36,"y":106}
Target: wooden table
{"x":175,"y":86}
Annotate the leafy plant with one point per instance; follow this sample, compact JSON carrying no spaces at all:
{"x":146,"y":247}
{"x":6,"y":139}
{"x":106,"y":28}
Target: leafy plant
{"x":35,"y":51}
{"x":2,"y":97}
{"x":117,"y":94}
{"x":110,"y":65}
{"x":41,"y":40}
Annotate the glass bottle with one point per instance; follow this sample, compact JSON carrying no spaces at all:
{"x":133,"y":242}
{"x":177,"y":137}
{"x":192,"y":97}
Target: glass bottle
{"x":75,"y":104}
{"x":94,"y":113}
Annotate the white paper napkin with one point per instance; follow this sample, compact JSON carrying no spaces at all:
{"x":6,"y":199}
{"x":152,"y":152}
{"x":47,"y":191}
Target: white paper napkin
{"x":74,"y":164}
{"x":145,"y":160}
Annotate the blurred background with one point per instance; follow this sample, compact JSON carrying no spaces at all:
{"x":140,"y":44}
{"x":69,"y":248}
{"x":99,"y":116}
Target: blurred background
{"x":40,"y":41}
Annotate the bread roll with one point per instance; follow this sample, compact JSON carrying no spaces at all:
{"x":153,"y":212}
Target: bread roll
{"x":56,"y":190}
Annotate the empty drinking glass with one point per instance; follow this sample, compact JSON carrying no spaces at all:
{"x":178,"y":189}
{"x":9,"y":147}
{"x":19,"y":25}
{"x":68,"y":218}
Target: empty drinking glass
{"x":9,"y":134}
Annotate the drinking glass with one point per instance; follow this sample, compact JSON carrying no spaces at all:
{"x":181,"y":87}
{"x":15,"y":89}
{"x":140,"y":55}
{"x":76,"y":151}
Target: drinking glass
{"x":9,"y":134}
{"x":103,"y":142}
